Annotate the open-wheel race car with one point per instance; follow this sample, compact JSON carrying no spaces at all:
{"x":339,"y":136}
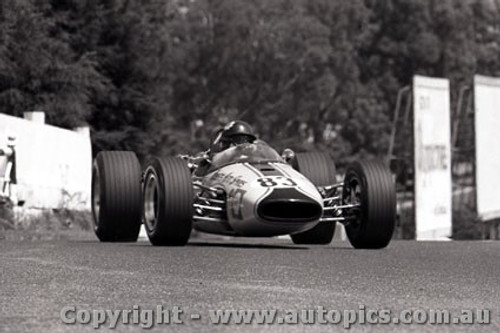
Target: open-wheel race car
{"x":247,"y":190}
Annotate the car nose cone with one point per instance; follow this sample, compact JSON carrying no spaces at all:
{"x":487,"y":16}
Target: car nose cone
{"x":289,"y":205}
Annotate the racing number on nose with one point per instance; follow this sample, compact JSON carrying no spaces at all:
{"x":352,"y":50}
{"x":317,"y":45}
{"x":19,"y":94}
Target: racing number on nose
{"x":276,"y":182}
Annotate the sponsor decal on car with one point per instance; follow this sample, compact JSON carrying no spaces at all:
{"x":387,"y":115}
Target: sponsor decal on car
{"x":228,"y":179}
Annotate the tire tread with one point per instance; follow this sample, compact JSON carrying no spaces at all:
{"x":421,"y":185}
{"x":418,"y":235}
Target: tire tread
{"x":120,"y":210}
{"x":379,"y":205}
{"x":176,"y":205}
{"x":320,"y":170}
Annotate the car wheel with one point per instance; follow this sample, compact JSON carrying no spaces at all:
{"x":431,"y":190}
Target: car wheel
{"x":369,"y":184}
{"x":168,"y":201}
{"x":116,"y":196}
{"x":320,"y":170}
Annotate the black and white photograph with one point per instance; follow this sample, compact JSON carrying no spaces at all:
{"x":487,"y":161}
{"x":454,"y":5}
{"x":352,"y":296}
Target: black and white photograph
{"x":249,"y":166}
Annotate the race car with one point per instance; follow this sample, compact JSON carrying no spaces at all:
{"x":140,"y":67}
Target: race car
{"x":249,"y":190}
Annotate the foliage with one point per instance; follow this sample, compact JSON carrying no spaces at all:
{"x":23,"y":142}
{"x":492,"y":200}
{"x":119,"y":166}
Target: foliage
{"x":466,"y":224}
{"x":157,"y":77}
{"x":40,"y":71}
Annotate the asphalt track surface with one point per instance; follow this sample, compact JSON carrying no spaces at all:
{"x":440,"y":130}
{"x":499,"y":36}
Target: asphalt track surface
{"x":38,"y":279}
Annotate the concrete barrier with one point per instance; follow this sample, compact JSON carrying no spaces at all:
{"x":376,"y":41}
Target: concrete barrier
{"x":53,"y":165}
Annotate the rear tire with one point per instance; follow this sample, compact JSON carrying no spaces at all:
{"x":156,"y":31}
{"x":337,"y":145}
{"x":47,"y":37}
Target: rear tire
{"x":317,"y":167}
{"x":116,"y":196}
{"x":320,"y":170}
{"x":168,"y":201}
{"x":370,"y":183}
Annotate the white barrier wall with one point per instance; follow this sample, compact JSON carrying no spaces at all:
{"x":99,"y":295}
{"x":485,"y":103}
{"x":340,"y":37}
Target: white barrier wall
{"x":53,"y":164}
{"x":487,"y":128}
{"x":431,"y":105}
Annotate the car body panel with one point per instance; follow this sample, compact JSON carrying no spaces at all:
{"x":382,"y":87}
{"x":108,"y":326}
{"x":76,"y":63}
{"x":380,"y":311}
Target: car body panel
{"x":255,"y":184}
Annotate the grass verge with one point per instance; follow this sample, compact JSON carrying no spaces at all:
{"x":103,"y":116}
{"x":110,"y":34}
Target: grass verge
{"x":23,"y":224}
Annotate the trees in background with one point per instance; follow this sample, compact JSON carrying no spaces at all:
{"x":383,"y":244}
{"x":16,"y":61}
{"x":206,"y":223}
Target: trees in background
{"x":157,"y":77}
{"x":39,"y":70}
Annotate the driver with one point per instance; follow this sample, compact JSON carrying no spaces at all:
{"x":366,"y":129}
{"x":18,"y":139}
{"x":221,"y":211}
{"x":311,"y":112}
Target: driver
{"x":232,"y":134}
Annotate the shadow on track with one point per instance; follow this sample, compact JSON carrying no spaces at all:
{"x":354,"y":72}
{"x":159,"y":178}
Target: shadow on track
{"x":218,"y":243}
{"x":247,"y":245}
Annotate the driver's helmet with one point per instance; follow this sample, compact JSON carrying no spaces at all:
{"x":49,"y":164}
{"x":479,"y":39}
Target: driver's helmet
{"x":234,"y":133}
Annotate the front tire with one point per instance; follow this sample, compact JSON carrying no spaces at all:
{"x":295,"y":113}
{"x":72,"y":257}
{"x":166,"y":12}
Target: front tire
{"x":370,"y":185}
{"x":320,"y":170}
{"x":168,"y":201}
{"x":116,"y":196}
